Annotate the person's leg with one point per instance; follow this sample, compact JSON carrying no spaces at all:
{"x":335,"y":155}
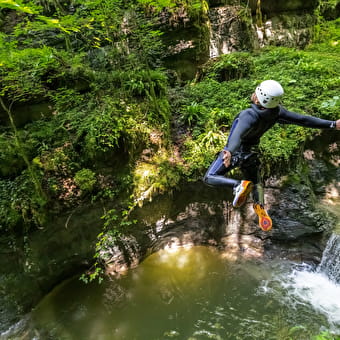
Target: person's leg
{"x":250,"y":167}
{"x":258,"y":191}
{"x":215,"y":177}
{"x":251,"y":171}
{"x":215,"y":174}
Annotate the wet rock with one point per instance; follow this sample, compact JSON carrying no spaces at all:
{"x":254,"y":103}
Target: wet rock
{"x":286,"y":30}
{"x":187,"y":39}
{"x":294,"y":214}
{"x":31,"y":266}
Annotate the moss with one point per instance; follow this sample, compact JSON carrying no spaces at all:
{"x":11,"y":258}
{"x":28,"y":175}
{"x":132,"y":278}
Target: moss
{"x":159,"y":173}
{"x":85,"y":179}
{"x":229,"y":67}
{"x":188,"y":43}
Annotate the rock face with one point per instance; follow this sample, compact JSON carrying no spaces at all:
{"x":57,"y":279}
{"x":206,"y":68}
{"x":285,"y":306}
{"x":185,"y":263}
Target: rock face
{"x":186,"y":36}
{"x":230,"y":30}
{"x":32,"y":266}
{"x":200,"y":215}
{"x":228,"y":26}
{"x":286,"y":30}
{"x":269,"y":6}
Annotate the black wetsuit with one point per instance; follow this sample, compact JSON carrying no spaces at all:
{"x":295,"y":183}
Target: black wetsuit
{"x":245,"y":133}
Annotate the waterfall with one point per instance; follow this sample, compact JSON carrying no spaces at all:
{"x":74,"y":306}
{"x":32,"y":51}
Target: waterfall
{"x":330,"y":262}
{"x":314,"y":290}
{"x":318,"y":287}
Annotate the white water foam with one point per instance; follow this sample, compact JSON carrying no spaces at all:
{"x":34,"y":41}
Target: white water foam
{"x":317,"y":290}
{"x":320,"y":288}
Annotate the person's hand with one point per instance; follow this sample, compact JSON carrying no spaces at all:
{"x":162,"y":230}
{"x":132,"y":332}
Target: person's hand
{"x":337,"y":124}
{"x":226,"y":158}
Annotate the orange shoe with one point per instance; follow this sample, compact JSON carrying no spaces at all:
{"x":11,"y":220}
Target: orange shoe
{"x":265,"y":222}
{"x":241,"y":193}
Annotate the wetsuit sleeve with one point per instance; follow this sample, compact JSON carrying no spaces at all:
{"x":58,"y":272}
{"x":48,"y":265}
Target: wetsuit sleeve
{"x":241,"y":126}
{"x":288,"y":117}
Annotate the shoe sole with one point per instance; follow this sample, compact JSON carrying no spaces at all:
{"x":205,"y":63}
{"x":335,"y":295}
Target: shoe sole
{"x":241,"y":199}
{"x":265,"y":222}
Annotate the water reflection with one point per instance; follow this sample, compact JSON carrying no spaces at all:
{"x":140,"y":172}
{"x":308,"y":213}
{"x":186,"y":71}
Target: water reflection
{"x":163,"y":291}
{"x":174,"y":294}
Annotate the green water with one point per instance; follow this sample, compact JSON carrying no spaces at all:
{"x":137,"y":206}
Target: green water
{"x":181,"y":294}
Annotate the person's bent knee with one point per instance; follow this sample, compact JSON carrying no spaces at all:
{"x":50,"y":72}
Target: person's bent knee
{"x":209,"y":180}
{"x":206,"y":179}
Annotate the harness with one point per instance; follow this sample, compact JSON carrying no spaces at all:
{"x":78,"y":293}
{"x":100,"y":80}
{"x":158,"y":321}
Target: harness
{"x":245,"y":159}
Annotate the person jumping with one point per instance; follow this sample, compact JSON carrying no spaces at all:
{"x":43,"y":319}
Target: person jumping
{"x":241,"y":149}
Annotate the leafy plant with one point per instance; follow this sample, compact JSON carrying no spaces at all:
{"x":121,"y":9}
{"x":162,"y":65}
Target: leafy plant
{"x":158,"y":174}
{"x":324,"y":336}
{"x":230,"y":66}
{"x":85,"y":179}
{"x":199,"y":152}
{"x":193,"y":113}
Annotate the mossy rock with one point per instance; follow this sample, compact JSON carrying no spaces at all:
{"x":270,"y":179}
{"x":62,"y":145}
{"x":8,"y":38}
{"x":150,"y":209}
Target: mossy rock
{"x":227,"y":67}
{"x":268,"y":6}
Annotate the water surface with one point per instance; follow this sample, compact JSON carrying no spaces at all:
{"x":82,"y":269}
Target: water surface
{"x":193,"y":294}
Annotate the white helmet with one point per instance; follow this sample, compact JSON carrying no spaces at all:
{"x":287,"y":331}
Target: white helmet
{"x":269,"y":93}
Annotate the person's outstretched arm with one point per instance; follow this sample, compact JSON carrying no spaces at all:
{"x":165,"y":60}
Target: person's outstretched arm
{"x":288,"y":117}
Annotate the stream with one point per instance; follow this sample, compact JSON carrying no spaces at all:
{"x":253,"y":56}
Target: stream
{"x":194,"y":293}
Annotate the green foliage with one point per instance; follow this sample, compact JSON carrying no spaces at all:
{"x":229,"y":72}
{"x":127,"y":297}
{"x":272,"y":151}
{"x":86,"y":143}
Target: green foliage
{"x":9,"y":215}
{"x":96,"y":272}
{"x":328,"y":38}
{"x":104,"y":125}
{"x":20,"y":202}
{"x":230,"y":66}
{"x":17,"y":5}
{"x":331,"y":105}
{"x":144,"y":82}
{"x":85,"y":179}
{"x":116,"y":222}
{"x":309,"y":78}
{"x":24,"y":71}
{"x":203,"y":119}
{"x":193,"y":6}
{"x":194,"y":114}
{"x":324,"y":336}
{"x":158,"y":174}
{"x":231,"y":96}
{"x":199,"y":152}
{"x":57,"y":160}
{"x":11,"y":162}
{"x":280,"y":146}
{"x":158,"y":4}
